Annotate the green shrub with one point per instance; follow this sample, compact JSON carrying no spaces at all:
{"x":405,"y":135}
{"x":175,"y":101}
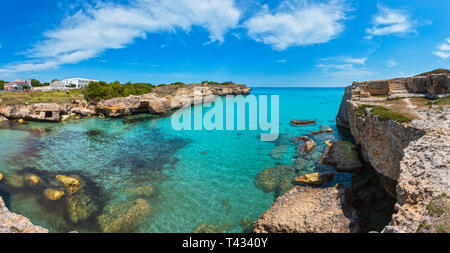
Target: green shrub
{"x":382,"y":113}
{"x":103,"y":90}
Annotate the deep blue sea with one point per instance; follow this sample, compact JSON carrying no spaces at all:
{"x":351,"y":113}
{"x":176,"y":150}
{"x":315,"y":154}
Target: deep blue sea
{"x":198,"y":176}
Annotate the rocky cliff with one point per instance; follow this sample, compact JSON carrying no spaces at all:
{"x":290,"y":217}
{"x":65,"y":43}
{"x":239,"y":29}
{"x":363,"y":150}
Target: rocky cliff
{"x":405,"y":136}
{"x":14,"y":223}
{"x":159,"y":101}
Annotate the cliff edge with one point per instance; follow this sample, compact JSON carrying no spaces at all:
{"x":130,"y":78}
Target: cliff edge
{"x":402,"y":127}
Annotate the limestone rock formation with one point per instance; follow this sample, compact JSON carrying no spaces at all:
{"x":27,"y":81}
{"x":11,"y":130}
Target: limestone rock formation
{"x":39,"y":111}
{"x":415,"y":154}
{"x":15,"y":223}
{"x":310,"y":210}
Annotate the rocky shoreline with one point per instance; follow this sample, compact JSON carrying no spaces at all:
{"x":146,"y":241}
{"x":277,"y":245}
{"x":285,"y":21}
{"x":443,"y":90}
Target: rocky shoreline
{"x":405,"y":138}
{"x":14,"y":223}
{"x":159,"y":101}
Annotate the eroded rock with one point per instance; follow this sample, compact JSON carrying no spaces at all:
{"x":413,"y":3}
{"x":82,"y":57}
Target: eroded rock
{"x":15,"y":223}
{"x":343,"y":155}
{"x":310,"y":210}
{"x":124,"y":217}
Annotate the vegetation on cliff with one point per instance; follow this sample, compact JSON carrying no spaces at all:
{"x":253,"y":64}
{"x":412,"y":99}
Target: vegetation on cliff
{"x":102,"y":90}
{"x":382,"y":113}
{"x":436,"y":71}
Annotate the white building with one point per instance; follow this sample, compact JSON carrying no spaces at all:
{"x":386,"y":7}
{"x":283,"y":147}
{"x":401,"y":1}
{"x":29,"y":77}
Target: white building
{"x":77,"y":83}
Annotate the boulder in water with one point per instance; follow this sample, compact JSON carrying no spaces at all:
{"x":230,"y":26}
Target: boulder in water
{"x":344,"y":156}
{"x":72,"y":184}
{"x":302,"y":122}
{"x":32,"y":179}
{"x":315,"y":179}
{"x":53,"y":194}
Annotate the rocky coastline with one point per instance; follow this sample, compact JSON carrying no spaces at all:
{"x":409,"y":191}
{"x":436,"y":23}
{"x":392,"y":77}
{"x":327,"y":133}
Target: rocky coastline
{"x":161,"y":100}
{"x":401,"y":129}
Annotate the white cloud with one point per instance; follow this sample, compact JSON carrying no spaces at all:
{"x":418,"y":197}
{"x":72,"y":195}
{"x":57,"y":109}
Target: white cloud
{"x":297,"y":23}
{"x":344,"y":67}
{"x":390,"y":21}
{"x":88,"y":33}
{"x":282,"y":61}
{"x":391,"y":63}
{"x":360,"y":61}
{"x":443,"y":50}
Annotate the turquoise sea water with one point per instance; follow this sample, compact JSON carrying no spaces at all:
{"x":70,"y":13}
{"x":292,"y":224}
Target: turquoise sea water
{"x":198,"y":176}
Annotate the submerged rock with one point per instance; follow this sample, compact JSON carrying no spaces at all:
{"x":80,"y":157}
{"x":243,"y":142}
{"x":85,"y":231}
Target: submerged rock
{"x":72,"y":184}
{"x":53,"y":194}
{"x":145,"y":191}
{"x":124,"y":217}
{"x":15,"y":223}
{"x":310,"y":210}
{"x":344,"y":156}
{"x":273,"y":179}
{"x":15,"y":181}
{"x":32,"y":179}
{"x":315,"y":178}
{"x":212,"y":228}
{"x":329,"y":130}
{"x":246,"y":225}
{"x":80,"y":207}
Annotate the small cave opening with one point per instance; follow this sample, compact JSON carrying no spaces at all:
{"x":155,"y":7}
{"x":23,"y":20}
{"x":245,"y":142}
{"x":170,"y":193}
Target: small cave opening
{"x":374,"y":198}
{"x":143,"y":107}
{"x":48,"y":114}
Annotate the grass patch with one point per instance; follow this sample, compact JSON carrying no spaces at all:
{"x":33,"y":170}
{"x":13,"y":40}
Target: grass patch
{"x":382,"y":113}
{"x":32,"y":97}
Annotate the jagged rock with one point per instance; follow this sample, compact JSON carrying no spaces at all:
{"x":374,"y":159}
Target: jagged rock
{"x":310,"y":210}
{"x":315,"y":179}
{"x":124,"y":217}
{"x":32,"y":179}
{"x":308,"y":146}
{"x":344,"y":156}
{"x":14,"y":223}
{"x":72,"y":184}
{"x":53,"y":194}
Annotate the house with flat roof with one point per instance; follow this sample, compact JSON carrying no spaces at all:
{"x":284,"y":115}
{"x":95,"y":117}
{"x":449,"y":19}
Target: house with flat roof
{"x":77,"y":83}
{"x":18,"y":85}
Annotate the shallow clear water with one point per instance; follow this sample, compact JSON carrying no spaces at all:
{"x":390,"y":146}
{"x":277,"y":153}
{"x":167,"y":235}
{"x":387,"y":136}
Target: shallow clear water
{"x":199,"y":176}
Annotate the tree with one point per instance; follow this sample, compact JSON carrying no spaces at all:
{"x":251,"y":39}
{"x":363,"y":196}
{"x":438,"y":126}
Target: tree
{"x":2,"y":84}
{"x":35,"y":83}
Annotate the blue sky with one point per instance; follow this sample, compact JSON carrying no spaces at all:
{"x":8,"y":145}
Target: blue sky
{"x":259,"y":43}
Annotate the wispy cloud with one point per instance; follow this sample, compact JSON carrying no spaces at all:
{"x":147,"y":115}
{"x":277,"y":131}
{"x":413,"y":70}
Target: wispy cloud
{"x":391,"y":22}
{"x":391,"y":63}
{"x":297,"y":23}
{"x":443,"y":50}
{"x":282,"y":61}
{"x":91,"y":31}
{"x":344,"y":67}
